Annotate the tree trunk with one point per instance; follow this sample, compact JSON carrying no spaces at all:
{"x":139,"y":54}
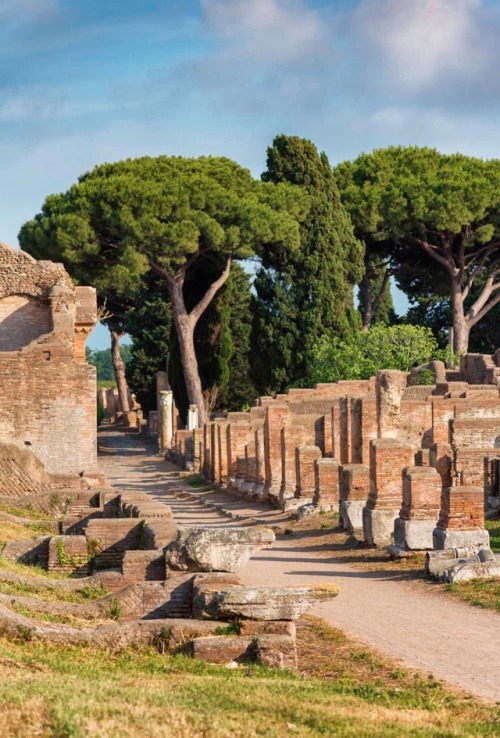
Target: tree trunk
{"x":461,"y":329}
{"x":185,"y":323}
{"x":185,"y":335}
{"x":365,"y":295}
{"x":119,"y":369}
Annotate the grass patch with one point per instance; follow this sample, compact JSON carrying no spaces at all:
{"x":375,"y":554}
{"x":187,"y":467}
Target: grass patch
{"x":84,"y":692}
{"x":493,"y":528}
{"x":60,"y":618}
{"x":194,"y":480}
{"x":87,"y":593}
{"x":28,"y":570}
{"x":479,"y":592}
{"x":24,"y":512}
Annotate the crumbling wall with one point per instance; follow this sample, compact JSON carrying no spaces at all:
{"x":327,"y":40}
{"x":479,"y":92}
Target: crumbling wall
{"x":47,"y":390}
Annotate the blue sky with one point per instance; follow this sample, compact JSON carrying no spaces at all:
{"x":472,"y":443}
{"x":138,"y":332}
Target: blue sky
{"x":87,"y":81}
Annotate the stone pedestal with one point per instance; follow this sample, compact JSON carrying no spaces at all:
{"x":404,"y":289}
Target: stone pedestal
{"x":414,"y":535}
{"x":378,"y":526}
{"x":351,"y":515}
{"x":387,"y":459}
{"x":413,"y":529}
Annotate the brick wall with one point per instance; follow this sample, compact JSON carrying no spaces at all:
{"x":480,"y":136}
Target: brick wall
{"x":47,"y":395}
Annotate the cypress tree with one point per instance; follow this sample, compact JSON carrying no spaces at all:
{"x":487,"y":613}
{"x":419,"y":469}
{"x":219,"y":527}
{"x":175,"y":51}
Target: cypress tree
{"x":301,"y":296}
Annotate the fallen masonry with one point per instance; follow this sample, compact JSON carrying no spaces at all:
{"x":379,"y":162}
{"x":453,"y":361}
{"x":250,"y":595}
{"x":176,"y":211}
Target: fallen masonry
{"x":412,"y":467}
{"x":183,"y":593}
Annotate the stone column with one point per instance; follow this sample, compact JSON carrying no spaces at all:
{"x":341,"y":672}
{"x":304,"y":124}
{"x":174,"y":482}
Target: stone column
{"x":388,"y":457}
{"x":192,"y":417}
{"x":166,"y":426}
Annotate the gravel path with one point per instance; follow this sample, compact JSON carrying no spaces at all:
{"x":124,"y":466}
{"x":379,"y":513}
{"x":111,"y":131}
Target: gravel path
{"x":453,"y":641}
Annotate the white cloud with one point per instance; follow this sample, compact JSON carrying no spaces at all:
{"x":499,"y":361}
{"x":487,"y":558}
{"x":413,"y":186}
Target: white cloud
{"x":422,"y":40}
{"x":283,"y":30}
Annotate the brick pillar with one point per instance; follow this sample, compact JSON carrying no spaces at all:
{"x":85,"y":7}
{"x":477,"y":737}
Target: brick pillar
{"x":238,"y":435}
{"x":441,"y":457}
{"x":291,"y":437}
{"x":276,"y":415}
{"x":354,"y":488}
{"x":207,"y":465}
{"x":413,"y":530}
{"x":442,"y":414}
{"x":461,"y":519}
{"x":305,"y":463}
{"x":197,"y":449}
{"x":326,"y":492}
{"x":250,"y":468}
{"x":388,"y":458}
{"x":390,"y":386}
{"x":260,"y":486}
{"x":221,"y":443}
{"x":369,"y":427}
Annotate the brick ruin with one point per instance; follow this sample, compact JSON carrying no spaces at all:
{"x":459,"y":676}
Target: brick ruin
{"x":405,"y":464}
{"x":47,"y":390}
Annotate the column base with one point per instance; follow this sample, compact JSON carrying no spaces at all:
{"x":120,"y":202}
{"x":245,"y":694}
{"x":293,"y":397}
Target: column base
{"x":351,"y":515}
{"x":414,"y":535}
{"x":378,"y":526}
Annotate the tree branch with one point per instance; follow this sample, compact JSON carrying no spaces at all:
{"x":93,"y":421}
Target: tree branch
{"x":205,"y":301}
{"x":431,"y":251}
{"x":485,"y":309}
{"x":161,"y":271}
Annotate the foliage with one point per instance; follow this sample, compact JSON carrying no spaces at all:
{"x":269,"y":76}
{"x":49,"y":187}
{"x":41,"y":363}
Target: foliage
{"x":122,"y":220}
{"x":362,"y":355}
{"x":101,"y":359}
{"x":101,"y":414}
{"x":149,"y":323}
{"x":303,"y":293}
{"x":438,"y":217}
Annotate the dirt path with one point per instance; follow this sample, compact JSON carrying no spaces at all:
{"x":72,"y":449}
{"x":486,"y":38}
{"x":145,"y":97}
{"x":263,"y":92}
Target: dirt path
{"x":453,"y":641}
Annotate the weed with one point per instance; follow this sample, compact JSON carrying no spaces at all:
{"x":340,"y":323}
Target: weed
{"x":25,"y":633}
{"x":161,"y":640}
{"x":233,"y":628}
{"x":114,"y":609}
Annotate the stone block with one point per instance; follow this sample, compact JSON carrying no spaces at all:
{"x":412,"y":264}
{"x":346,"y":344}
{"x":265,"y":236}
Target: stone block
{"x":185,"y":630}
{"x":351,"y":515}
{"x":258,"y":603}
{"x":453,"y":538}
{"x":414,"y":535}
{"x":277,"y":651}
{"x":378,"y":526}
{"x":215,"y":549}
{"x":253,"y":628}
{"x":222,"y":649}
{"x":143,"y":565}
